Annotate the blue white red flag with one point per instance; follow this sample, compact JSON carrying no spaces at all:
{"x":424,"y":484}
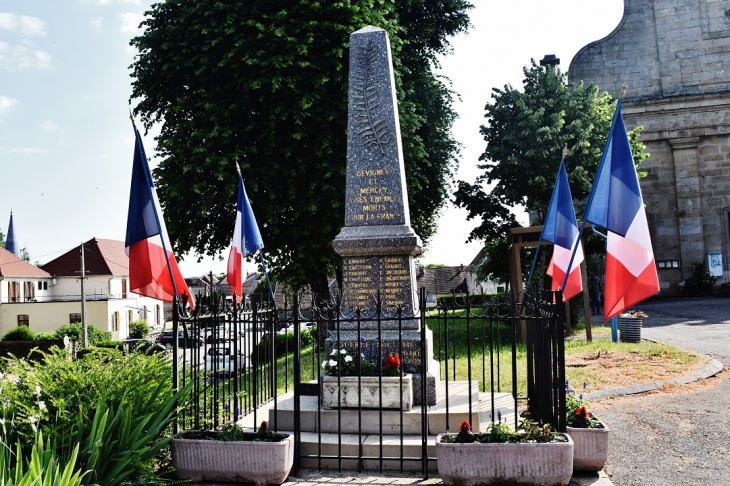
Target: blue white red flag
{"x":561,"y":228}
{"x":153,"y":270}
{"x":615,"y":203}
{"x":246,"y":239}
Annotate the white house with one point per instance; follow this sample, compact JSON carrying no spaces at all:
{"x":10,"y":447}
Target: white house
{"x":47,"y":297}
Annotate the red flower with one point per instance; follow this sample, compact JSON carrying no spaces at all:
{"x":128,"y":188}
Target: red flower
{"x":392,"y":361}
{"x":582,"y":413}
{"x":264,"y":426}
{"x":464,"y":428}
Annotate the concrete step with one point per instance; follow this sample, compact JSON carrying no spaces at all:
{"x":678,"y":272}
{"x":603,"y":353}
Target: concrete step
{"x":446,"y":414}
{"x":322,"y":451}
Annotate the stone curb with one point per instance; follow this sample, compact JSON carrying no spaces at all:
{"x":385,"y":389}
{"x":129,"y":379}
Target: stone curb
{"x":712,"y":368}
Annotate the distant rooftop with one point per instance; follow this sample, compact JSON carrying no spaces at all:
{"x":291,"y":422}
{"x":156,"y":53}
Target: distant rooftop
{"x":101,"y":257}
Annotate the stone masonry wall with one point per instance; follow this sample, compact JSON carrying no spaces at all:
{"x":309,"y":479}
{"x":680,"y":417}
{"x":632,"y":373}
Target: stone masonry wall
{"x":675,"y":57}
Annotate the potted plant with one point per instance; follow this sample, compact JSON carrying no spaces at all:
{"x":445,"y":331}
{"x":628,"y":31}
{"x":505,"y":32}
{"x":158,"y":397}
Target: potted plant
{"x":232,"y":455}
{"x":629,"y":325}
{"x":362,"y":382}
{"x":535,"y":455}
{"x":589,"y":434}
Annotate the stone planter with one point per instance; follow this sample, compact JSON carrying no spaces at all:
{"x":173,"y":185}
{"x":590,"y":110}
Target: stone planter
{"x":260,"y":463}
{"x":591,"y":448}
{"x":630,"y":329}
{"x":365,"y":393}
{"x":498,"y":464}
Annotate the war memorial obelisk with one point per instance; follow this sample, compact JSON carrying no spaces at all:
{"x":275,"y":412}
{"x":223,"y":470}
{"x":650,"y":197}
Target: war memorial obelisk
{"x":377,"y":243}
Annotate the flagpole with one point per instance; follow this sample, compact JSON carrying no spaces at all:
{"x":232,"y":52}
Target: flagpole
{"x":148,"y":176}
{"x":600,"y":166}
{"x":552,"y":200}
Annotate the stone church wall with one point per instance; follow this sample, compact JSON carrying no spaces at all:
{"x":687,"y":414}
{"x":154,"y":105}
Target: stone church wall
{"x":675,"y":58}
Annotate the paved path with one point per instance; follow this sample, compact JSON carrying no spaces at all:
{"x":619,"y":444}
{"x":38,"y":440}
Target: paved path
{"x":675,"y":439}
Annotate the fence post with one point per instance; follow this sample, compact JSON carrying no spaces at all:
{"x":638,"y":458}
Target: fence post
{"x":175,"y":354}
{"x":297,"y":387}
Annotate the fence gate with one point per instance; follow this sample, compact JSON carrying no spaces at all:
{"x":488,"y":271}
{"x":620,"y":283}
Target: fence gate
{"x":330,"y":375}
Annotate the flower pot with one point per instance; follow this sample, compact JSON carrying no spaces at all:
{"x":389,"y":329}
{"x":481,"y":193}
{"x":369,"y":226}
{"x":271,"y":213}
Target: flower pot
{"x":591,"y":448}
{"x":242,"y":462}
{"x":365,"y":392}
{"x":630,"y":329}
{"x":494,"y":464}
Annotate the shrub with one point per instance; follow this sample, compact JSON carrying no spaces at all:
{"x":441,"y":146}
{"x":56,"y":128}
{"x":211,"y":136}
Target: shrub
{"x":138,"y":329}
{"x":111,"y":345}
{"x":20,"y":333}
{"x":75,"y":332}
{"x":46,"y":336}
{"x":69,"y":390}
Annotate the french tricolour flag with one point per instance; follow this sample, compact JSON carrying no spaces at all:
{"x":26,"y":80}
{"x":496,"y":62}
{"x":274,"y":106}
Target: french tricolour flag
{"x":246,"y":239}
{"x":615,"y":203}
{"x":561,"y":228}
{"x":151,"y":261}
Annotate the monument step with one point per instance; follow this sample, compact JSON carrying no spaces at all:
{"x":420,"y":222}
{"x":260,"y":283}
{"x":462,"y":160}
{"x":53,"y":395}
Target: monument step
{"x":441,"y":417}
{"x":325,"y":451}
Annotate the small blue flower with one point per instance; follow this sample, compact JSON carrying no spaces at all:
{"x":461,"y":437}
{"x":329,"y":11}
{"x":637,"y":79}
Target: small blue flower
{"x":581,"y":396}
{"x":499,"y":415}
{"x":585,"y":384}
{"x":226,"y":407}
{"x":235,"y":411}
{"x":567,"y":384}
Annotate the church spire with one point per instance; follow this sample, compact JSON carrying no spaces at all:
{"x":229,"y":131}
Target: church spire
{"x":10,"y":238}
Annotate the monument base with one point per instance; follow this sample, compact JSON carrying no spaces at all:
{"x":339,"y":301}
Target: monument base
{"x":407,"y":344}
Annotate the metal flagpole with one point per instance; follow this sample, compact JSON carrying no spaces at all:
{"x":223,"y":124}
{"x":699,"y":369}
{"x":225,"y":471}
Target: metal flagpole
{"x":266,"y":272}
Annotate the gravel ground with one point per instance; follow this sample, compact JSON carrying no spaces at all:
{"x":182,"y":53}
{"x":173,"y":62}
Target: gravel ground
{"x":680,"y":437}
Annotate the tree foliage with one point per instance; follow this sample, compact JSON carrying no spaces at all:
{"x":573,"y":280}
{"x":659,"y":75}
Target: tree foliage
{"x":525,"y":134}
{"x":265,"y":83}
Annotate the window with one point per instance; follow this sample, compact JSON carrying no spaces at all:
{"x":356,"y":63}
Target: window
{"x":144,"y":313}
{"x":14,"y":291}
{"x":29,"y":290}
{"x":157,"y":317}
{"x":23,"y":320}
{"x":115,"y":322}
{"x":40,"y":285}
{"x":129,"y":316}
{"x":75,"y":317}
{"x":45,"y":285}
{"x":124,"y":288}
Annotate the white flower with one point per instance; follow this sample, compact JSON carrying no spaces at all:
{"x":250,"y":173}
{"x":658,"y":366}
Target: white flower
{"x":333,"y":362}
{"x":2,"y":422}
{"x":348,"y":358}
{"x":2,"y":375}
{"x":42,"y":405}
{"x":343,"y":351}
{"x":33,"y":419}
{"x":324,"y":364}
{"x":333,"y":353}
{"x":37,"y":390}
{"x":16,"y":380}
{"x":66,"y":341}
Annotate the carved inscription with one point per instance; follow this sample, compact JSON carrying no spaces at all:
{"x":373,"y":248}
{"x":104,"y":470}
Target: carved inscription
{"x":409,"y":351}
{"x":375,"y":201}
{"x":363,"y":277}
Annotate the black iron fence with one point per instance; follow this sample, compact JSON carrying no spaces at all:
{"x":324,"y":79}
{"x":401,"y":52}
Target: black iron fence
{"x":370,"y":389}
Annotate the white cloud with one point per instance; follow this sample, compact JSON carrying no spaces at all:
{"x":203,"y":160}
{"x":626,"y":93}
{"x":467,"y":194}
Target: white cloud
{"x":48,"y":126}
{"x":96,"y":23}
{"x":22,"y":24}
{"x":130,"y":22}
{"x":7,"y":104}
{"x":26,"y":151}
{"x":15,"y":57}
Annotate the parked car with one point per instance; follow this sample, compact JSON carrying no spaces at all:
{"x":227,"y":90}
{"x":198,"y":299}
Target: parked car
{"x":193,"y":340}
{"x":142,"y":346}
{"x":221,"y":359}
{"x":303,"y":326}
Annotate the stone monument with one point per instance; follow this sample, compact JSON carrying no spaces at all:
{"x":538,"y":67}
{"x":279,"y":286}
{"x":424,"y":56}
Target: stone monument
{"x":377,"y":243}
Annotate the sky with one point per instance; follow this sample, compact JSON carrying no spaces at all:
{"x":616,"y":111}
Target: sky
{"x":66,"y":142}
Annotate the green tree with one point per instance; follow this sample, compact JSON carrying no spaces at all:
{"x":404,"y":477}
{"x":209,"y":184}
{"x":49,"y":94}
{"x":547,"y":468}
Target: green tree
{"x":265,"y":83}
{"x":525,"y":134}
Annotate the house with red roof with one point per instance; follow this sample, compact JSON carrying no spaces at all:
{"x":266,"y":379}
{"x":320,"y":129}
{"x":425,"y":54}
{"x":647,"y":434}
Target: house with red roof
{"x":47,"y":297}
